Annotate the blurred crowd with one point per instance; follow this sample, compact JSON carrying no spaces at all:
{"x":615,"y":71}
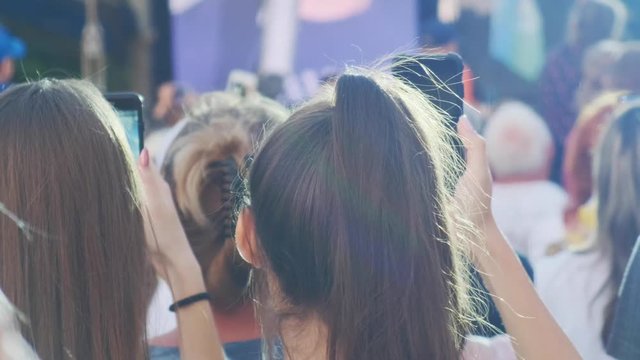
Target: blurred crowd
{"x":340,"y":228}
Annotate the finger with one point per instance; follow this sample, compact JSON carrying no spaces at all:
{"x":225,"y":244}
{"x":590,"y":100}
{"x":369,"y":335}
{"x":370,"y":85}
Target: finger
{"x":466,"y":132}
{"x":473,"y":143}
{"x":144,"y":167}
{"x":143,"y":159}
{"x":151,"y":178}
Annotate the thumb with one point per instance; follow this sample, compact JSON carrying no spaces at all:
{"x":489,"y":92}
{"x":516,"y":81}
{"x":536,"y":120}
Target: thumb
{"x":145,"y":167}
{"x":149,"y":174}
{"x":474,"y":145}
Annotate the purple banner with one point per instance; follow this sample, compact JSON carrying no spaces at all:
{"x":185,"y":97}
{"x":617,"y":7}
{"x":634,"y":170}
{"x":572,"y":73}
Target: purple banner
{"x":213,"y":37}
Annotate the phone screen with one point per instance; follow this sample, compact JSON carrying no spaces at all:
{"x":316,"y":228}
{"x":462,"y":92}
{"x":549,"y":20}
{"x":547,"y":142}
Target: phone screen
{"x":129,"y":120}
{"x":128,"y":106}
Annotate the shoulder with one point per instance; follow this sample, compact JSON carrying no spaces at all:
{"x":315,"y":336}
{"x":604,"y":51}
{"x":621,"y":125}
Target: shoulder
{"x":555,"y":194}
{"x":588,"y":266}
{"x":495,"y":348}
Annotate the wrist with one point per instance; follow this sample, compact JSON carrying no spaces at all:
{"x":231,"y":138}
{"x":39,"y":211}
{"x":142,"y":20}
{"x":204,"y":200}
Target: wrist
{"x":182,"y":262}
{"x":487,"y":225}
{"x":493,"y":245}
{"x":184,"y":277}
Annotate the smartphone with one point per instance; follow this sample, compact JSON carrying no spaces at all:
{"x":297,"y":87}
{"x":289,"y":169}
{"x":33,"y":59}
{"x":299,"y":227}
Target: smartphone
{"x":439,"y":77}
{"x":128,"y":106}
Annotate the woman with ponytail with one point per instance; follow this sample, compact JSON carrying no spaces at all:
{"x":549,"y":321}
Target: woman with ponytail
{"x":202,"y":166}
{"x":356,"y":247}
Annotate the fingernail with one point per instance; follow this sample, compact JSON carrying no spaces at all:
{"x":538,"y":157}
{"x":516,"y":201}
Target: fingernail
{"x":144,"y":158}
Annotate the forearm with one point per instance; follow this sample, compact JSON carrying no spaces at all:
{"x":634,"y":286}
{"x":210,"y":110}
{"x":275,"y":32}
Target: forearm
{"x":198,"y":336}
{"x":534,"y":332}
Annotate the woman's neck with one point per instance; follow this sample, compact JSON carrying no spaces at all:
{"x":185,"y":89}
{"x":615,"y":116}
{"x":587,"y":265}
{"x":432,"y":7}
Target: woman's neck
{"x":305,"y":339}
{"x":238,"y":325}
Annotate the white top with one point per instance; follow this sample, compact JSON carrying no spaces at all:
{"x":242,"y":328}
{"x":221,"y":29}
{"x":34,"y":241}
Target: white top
{"x":495,"y":348}
{"x":12,"y":345}
{"x":166,"y":140}
{"x":530,"y":214}
{"x":576,"y":290}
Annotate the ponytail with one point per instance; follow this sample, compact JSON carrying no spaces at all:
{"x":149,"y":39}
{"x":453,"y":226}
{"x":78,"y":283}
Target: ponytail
{"x":363,"y":127}
{"x":201,"y":169}
{"x":348,"y":198}
{"x":197,"y":161}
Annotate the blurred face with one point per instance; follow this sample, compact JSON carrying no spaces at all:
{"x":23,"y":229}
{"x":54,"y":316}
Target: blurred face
{"x":7,"y":70}
{"x":164,"y":105}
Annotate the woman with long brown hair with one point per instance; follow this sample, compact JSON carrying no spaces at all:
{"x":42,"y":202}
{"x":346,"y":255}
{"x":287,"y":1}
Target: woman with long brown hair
{"x":77,"y":265}
{"x":350,"y":230}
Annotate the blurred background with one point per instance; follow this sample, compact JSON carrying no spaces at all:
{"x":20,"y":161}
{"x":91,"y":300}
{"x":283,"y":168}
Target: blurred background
{"x":541,"y":79}
{"x":284,"y":48}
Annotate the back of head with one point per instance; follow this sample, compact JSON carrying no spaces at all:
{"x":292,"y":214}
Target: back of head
{"x":595,"y":20}
{"x":618,"y":186}
{"x":519,"y":144}
{"x":204,"y":161}
{"x":597,"y":65}
{"x":256,"y":113}
{"x":602,"y":55}
{"x":353,"y":223}
{"x":624,"y":71}
{"x":75,"y":265}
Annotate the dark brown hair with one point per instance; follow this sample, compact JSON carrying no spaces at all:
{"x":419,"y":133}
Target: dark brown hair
{"x":204,"y":161}
{"x":618,"y":189}
{"x":77,"y":268}
{"x":353,"y":220}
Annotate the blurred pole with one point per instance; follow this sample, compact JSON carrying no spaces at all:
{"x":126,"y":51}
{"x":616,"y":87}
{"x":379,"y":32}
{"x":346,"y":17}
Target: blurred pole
{"x":279,"y":33}
{"x":93,"y":59}
{"x":141,"y":58}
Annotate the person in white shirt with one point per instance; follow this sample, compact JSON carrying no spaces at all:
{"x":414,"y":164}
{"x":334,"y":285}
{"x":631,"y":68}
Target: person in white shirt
{"x":527,"y":206}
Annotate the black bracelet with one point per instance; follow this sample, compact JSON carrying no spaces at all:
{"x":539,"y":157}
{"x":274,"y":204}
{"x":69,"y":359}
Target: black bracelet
{"x":189,"y":300}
